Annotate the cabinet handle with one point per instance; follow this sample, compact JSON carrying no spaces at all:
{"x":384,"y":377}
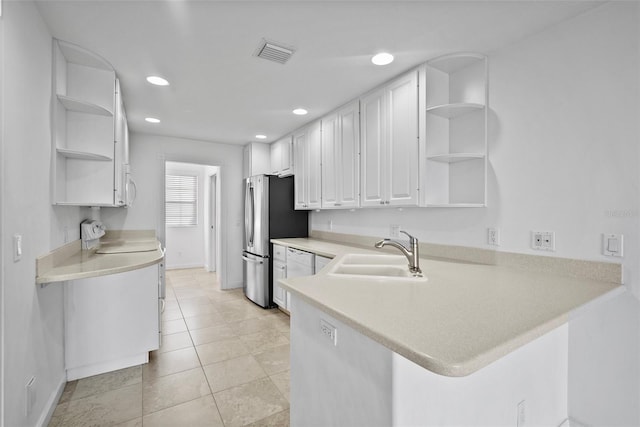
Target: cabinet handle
{"x":252,"y":260}
{"x":337,"y":204}
{"x":386,"y":202}
{"x":382,"y":202}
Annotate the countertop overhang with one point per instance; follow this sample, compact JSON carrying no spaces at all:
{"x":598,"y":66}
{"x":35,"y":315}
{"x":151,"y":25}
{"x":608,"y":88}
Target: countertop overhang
{"x":463,"y":318}
{"x":70,"y":262}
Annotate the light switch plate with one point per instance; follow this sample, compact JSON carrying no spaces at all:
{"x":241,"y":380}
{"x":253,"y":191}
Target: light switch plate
{"x":17,"y":247}
{"x":613,"y":245}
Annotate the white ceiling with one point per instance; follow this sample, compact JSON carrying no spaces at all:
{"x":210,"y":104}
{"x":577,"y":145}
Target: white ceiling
{"x":220,"y":92}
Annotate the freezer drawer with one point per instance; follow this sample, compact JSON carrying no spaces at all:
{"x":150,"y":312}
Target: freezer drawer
{"x":256,"y":279}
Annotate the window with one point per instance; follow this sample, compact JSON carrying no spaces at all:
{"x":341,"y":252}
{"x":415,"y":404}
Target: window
{"x":181,"y":197}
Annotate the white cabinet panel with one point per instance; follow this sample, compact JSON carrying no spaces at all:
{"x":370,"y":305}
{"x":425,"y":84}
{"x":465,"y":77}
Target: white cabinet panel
{"x":279,"y":294}
{"x":307,"y":150}
{"x":389,"y":126}
{"x":111,"y":322}
{"x":282,"y":157}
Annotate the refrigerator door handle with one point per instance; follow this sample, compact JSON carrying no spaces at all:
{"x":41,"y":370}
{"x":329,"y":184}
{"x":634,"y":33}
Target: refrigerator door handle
{"x":255,"y":261}
{"x":249,"y":214}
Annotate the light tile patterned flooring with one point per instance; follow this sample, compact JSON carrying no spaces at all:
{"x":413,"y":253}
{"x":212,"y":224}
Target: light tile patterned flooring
{"x":223,"y":362}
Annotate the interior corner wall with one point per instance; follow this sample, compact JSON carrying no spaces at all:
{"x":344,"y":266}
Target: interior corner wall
{"x":148,"y":154}
{"x":33,"y":328}
{"x":563,"y":157}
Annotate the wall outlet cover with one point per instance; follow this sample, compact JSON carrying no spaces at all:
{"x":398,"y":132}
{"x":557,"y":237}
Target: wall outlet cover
{"x":543,"y":240}
{"x":613,"y":245}
{"x":493,"y":236}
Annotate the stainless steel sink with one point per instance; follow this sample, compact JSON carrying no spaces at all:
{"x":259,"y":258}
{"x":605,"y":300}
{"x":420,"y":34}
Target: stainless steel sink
{"x":374,"y":267}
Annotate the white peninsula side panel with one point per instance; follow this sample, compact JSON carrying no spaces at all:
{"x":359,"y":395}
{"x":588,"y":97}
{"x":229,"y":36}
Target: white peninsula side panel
{"x":358,"y":381}
{"x":111,"y":322}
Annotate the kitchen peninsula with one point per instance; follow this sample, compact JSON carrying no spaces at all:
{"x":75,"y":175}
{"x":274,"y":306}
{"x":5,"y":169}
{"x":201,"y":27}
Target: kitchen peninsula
{"x":474,"y":344}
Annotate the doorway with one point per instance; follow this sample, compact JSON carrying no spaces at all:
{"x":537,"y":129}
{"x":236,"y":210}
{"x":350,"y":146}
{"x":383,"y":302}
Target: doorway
{"x":192,"y":217}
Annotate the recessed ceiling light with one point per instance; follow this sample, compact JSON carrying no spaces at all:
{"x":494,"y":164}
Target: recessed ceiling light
{"x":300,"y":111}
{"x":383,"y":58}
{"x":261,"y":136}
{"x":158,"y":81}
{"x":152,"y":120}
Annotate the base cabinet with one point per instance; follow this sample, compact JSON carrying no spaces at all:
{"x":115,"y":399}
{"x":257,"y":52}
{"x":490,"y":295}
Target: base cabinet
{"x":111,"y":322}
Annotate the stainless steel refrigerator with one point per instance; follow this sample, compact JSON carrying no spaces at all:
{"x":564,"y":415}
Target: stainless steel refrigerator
{"x":268,"y":214}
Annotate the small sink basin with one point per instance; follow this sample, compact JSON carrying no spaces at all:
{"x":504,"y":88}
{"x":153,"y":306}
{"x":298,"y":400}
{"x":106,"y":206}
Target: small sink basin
{"x":374,"y":267}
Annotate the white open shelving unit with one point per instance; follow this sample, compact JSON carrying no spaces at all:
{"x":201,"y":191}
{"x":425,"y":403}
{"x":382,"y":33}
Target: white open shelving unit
{"x":85,"y":99}
{"x":456,"y":131}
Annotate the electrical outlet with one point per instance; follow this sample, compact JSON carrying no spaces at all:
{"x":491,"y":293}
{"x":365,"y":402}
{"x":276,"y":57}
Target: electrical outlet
{"x":493,"y":236}
{"x":521,"y":414}
{"x":543,"y":240}
{"x":329,"y":331}
{"x":330,"y":225}
{"x":395,"y":230}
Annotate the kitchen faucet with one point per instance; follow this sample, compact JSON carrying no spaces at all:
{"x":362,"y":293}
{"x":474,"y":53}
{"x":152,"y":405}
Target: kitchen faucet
{"x":411,"y":254}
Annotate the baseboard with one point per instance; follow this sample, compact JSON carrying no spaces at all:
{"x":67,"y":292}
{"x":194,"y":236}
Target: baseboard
{"x":51,"y":404}
{"x":183,"y":266}
{"x":572,"y":422}
{"x":234,"y":285}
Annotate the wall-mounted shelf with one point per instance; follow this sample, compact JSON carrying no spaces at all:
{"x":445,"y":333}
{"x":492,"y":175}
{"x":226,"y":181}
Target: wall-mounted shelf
{"x":451,"y":111}
{"x":80,"y":106}
{"x":456,"y":157}
{"x":83,"y":155}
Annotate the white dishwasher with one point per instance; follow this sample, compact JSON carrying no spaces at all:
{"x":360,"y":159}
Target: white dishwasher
{"x":299,"y":263}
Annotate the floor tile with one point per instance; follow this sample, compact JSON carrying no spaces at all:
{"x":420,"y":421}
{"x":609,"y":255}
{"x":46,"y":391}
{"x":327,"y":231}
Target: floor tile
{"x":171,"y":390}
{"x":198,"y":310}
{"x":233,"y":372}
{"x":175,"y":342}
{"x":161,"y":364}
{"x":106,"y":382}
{"x":263,"y":340}
{"x":211,"y":334}
{"x":171,"y":314}
{"x":275,"y":359}
{"x":204,"y":321}
{"x":110,"y":408}
{"x":221,"y":350}
{"x":199,"y":412}
{"x":250,"y":402}
{"x":283,"y":382}
{"x":58,"y":415}
{"x":69,"y":388}
{"x":193,"y":301}
{"x":281,"y":419}
{"x":137,"y":422}
{"x":249,"y":326}
{"x":278,"y":321}
{"x":173,"y":326}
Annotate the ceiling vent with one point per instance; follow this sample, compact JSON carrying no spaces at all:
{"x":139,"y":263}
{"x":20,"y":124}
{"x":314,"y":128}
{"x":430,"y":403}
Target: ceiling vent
{"x":274,"y":52}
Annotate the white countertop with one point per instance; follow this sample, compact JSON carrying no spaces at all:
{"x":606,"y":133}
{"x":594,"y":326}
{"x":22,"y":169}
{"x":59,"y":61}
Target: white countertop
{"x":462,"y":319}
{"x":70,"y":262}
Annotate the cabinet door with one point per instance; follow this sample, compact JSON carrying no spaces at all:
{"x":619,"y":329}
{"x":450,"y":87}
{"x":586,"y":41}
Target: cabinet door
{"x":276,"y":157}
{"x":402,"y":140}
{"x":372,"y":146}
{"x":313,"y":166}
{"x":348,"y":156}
{"x":279,"y":294}
{"x":300,"y":178}
{"x":286,"y":157}
{"x":330,"y":161}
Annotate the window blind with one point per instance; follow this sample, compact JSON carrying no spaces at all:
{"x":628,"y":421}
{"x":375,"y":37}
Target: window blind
{"x":181,"y":196}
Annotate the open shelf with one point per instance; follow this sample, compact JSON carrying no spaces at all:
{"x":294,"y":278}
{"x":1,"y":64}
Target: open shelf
{"x":455,"y":157}
{"x":83,"y":155}
{"x":79,"y":106}
{"x":450,"y":111}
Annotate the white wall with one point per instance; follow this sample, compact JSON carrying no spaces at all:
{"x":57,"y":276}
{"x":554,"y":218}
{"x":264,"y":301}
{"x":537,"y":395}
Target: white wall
{"x":564,"y":157}
{"x":32,"y":321}
{"x":148,"y":155}
{"x":185,"y":245}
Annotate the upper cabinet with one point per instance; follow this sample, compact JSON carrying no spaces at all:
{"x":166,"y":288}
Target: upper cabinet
{"x":282,"y":157}
{"x":307,"y":181}
{"x":257,"y":159}
{"x":340,"y":170}
{"x":87,"y":117}
{"x":389,"y":144}
{"x":455,"y":124}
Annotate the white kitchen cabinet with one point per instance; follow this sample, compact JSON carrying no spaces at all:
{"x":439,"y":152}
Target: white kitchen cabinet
{"x":257,"y":159}
{"x":340,"y":171}
{"x":307,"y":181}
{"x":282,"y":157}
{"x":86,"y":116}
{"x":456,"y":131}
{"x":279,"y":267}
{"x":111,"y":322}
{"x":390,"y":144}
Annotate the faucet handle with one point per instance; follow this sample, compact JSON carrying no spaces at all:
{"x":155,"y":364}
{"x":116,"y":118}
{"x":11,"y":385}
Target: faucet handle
{"x":411,"y":238}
